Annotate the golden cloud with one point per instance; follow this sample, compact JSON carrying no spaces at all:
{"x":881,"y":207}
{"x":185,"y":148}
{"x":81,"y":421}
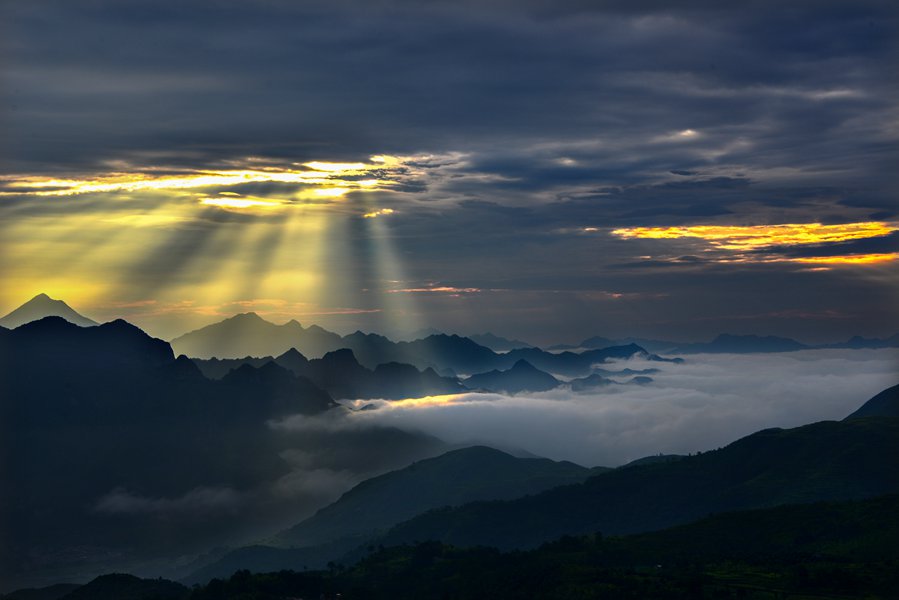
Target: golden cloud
{"x":755,"y":237}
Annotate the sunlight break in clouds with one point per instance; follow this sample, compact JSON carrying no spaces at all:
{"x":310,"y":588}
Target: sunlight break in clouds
{"x":760,"y":237}
{"x":332,"y":179}
{"x":708,"y":402}
{"x":763,"y":236}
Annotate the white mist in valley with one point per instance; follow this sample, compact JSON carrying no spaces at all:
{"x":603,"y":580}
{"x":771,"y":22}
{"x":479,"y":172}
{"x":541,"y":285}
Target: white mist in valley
{"x":705,"y":403}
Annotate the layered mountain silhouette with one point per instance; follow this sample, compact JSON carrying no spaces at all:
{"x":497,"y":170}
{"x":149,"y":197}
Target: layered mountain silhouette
{"x":857,"y":458}
{"x":340,"y":374}
{"x":727,"y":343}
{"x":853,"y":459}
{"x":739,"y":344}
{"x":107,"y":438}
{"x":42,"y":306}
{"x":251,"y":335}
{"x":454,"y":478}
{"x":498,"y":343}
{"x":375,"y":505}
{"x":824,"y":549}
{"x":120,"y":586}
{"x":589,"y":383}
{"x":522,"y":377}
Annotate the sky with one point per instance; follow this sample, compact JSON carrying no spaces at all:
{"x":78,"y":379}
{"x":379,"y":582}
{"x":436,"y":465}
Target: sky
{"x":544,"y":170}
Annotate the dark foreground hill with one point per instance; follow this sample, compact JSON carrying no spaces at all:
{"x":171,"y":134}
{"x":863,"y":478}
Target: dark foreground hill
{"x":822,"y":550}
{"x":858,"y":458}
{"x":452,"y":479}
{"x":884,"y":404}
{"x":375,"y":505}
{"x":107,"y":438}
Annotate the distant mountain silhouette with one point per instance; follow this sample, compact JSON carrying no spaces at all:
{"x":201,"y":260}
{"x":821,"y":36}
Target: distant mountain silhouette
{"x":248,"y":334}
{"x":591,"y":382}
{"x":251,"y":335}
{"x":853,"y":459}
{"x":859,"y":342}
{"x":730,"y":343}
{"x":42,"y":306}
{"x":51,"y":592}
{"x":574,"y":364}
{"x":739,"y":344}
{"x":340,"y":374}
{"x":522,"y":377}
{"x":128,"y":587}
{"x":454,"y":478}
{"x":650,"y":345}
{"x":884,"y":404}
{"x":497,"y":343}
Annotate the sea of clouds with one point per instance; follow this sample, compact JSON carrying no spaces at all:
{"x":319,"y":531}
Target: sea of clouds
{"x":705,"y":403}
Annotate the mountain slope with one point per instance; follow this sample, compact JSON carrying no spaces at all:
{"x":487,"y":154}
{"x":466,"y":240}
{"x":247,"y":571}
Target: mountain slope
{"x":42,"y":306}
{"x":497,"y":343}
{"x":340,"y":374}
{"x":373,"y":506}
{"x":248,"y":334}
{"x":522,"y":377}
{"x":251,"y":335}
{"x":884,"y":404}
{"x":454,"y":478}
{"x":822,"y":550}
{"x":102,"y":428}
{"x":824,"y":461}
{"x":741,"y":344}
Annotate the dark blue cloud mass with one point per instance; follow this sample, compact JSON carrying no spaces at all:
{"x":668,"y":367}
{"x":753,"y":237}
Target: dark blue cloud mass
{"x":548,"y":124}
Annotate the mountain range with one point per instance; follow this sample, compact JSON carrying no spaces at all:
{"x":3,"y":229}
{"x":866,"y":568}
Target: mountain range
{"x":340,"y":374}
{"x":852,"y":459}
{"x":764,"y":553}
{"x":470,"y":474}
{"x":731,"y":344}
{"x":856,"y":458}
{"x":106,"y":436}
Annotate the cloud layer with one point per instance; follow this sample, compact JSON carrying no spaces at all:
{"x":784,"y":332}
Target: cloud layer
{"x":703,"y":404}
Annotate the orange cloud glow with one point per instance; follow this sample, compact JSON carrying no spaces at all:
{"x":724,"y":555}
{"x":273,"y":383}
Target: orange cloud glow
{"x":849,"y":259}
{"x":327,"y":179}
{"x":763,"y":236}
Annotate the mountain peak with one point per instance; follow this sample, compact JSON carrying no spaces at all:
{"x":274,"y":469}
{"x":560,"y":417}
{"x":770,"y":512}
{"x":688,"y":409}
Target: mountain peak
{"x":42,"y":306}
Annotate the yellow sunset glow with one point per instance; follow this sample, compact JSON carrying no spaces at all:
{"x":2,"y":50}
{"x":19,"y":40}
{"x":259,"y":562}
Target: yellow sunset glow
{"x":378,"y":213}
{"x":427,"y":401}
{"x":850,"y":259}
{"x":763,"y":236}
{"x":329,"y":180}
{"x":231,"y":202}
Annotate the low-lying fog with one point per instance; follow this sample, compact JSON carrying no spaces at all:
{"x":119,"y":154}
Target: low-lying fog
{"x":707,"y":402}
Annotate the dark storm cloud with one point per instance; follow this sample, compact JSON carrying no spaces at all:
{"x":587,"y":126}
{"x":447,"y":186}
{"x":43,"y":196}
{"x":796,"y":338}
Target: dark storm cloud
{"x":543,"y":119}
{"x":88,"y":81}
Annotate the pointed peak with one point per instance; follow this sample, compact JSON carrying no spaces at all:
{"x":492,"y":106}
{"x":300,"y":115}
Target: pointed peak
{"x":246,"y":318}
{"x":293,"y":354}
{"x":42,"y":306}
{"x":342,"y":353}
